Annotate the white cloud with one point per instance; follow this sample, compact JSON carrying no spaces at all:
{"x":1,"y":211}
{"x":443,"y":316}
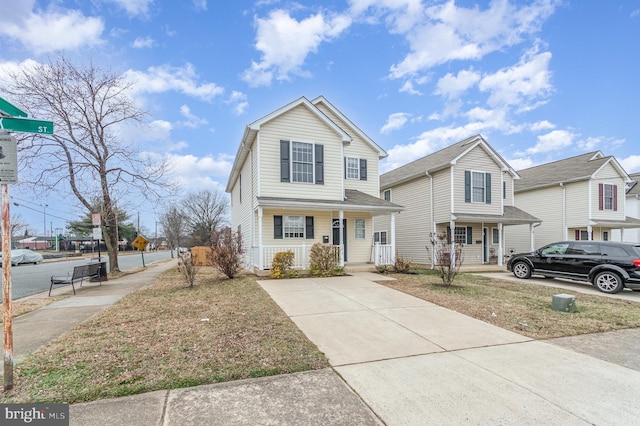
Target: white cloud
{"x":542,"y":125}
{"x":395,"y":121}
{"x":553,"y":141}
{"x":134,"y":7}
{"x":631,"y":164}
{"x":50,"y":30}
{"x":143,"y":43}
{"x":200,"y":5}
{"x":447,"y":32}
{"x":452,"y":86}
{"x":286,"y":42}
{"x":192,"y":121}
{"x":166,"y":78}
{"x":589,"y":144}
{"x":520,"y":84}
{"x":521,"y":163}
{"x":407,"y":87}
{"x":198,"y":173}
{"x":238,"y":101}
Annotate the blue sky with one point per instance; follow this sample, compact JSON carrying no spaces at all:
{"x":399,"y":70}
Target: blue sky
{"x":540,"y":80}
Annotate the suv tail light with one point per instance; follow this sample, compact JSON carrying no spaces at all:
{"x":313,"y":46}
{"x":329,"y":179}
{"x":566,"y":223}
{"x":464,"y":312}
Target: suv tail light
{"x":637,"y":263}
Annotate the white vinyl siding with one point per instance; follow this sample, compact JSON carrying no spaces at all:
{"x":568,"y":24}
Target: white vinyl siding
{"x":358,"y":148}
{"x":299,"y":125}
{"x":478,"y":160}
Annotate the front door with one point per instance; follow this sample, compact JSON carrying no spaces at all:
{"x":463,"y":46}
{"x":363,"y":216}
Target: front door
{"x":336,"y":234}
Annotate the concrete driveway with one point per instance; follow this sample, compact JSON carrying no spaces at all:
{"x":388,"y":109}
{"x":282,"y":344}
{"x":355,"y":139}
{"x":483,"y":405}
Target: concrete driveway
{"x":416,"y":363}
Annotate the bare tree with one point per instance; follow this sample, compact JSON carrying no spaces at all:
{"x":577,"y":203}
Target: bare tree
{"x":87,"y":155}
{"x":18,"y":225}
{"x":174,"y":225}
{"x":447,"y":256}
{"x":205,"y":212}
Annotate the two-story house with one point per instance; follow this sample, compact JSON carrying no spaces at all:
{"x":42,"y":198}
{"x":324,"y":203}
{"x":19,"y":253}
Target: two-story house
{"x":305,"y":174}
{"x":577,"y":198}
{"x":464,"y":191}
{"x":632,"y":209}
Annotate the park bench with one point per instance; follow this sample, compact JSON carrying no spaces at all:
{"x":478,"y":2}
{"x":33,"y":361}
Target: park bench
{"x":91,"y":270}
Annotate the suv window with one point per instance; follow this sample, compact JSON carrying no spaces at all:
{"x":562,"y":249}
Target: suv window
{"x":557,"y":248}
{"x":586,"y":249}
{"x":614,"y":251}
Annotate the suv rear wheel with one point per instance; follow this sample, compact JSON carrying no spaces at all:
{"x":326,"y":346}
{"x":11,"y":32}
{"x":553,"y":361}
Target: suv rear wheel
{"x":608,"y":282}
{"x":522,"y":270}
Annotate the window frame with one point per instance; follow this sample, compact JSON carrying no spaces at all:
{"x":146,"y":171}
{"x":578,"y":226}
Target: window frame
{"x":607,"y":201}
{"x":349,"y":168}
{"x":384,"y":195}
{"x":310,"y":164}
{"x":495,"y":236}
{"x":483,"y":187}
{"x":460,"y":235}
{"x":377,"y":237}
{"x":363,"y":229}
{"x":286,"y":225}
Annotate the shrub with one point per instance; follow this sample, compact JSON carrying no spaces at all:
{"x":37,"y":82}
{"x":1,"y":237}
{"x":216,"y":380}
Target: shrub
{"x":226,"y":251}
{"x":401,"y":265}
{"x":447,"y":257}
{"x":282,"y":264}
{"x":323,"y":261}
{"x":187,"y":269}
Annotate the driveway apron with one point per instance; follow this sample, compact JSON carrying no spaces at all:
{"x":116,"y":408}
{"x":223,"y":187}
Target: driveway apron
{"x":416,"y":363}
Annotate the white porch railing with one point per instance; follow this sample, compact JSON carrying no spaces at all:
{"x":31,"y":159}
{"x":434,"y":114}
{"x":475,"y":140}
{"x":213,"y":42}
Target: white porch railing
{"x":382,"y":254}
{"x":300,"y":255}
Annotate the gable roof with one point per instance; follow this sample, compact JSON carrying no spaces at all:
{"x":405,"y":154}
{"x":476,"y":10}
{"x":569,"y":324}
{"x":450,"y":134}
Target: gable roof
{"x":633,"y":187}
{"x":321,"y":99}
{"x":438,"y":160}
{"x":573,"y":169}
{"x":251,"y":130}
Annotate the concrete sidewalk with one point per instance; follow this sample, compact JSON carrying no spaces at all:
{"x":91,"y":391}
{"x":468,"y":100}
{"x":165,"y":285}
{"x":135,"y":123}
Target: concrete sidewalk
{"x":416,"y":363}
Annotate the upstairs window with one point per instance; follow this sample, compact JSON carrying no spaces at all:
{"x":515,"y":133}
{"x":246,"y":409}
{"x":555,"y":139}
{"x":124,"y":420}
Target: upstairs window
{"x":353,"y":168}
{"x":477,"y":187}
{"x":387,"y":195}
{"x":607,"y":197}
{"x":302,"y":162}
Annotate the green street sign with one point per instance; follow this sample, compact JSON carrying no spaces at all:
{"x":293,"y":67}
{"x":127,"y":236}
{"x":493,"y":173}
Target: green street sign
{"x":11,"y":109}
{"x":26,"y":125}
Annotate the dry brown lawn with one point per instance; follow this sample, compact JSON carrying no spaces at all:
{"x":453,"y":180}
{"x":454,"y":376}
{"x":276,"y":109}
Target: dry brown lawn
{"x":520,"y":307}
{"x":168,"y":336}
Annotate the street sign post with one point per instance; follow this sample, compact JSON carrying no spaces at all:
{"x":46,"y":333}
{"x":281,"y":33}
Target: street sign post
{"x":11,"y":109}
{"x":26,"y":125}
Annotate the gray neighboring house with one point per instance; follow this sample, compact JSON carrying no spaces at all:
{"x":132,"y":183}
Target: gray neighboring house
{"x":464,"y":191}
{"x":632,"y":209}
{"x":577,"y":198}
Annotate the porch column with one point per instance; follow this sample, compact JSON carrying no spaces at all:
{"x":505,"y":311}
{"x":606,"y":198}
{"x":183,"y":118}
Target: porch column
{"x":590,"y":232}
{"x":452,"y":246}
{"x":500,"y":252}
{"x":260,"y":251}
{"x":341,"y":233}
{"x":393,"y":237}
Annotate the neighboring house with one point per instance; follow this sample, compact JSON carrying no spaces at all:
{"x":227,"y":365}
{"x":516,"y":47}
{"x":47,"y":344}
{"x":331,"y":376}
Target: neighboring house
{"x":578,"y":198}
{"x":305,"y":174}
{"x":632,"y":209}
{"x":464,"y":191}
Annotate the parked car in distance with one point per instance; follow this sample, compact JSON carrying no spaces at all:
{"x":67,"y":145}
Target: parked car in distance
{"x":609,"y":266}
{"x":20,"y":256}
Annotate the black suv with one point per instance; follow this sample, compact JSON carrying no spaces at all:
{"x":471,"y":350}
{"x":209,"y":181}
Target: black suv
{"x":610,"y":266}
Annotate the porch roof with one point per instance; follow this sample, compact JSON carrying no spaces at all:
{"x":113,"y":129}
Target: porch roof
{"x":354,"y":200}
{"x":512,"y":216}
{"x":628,"y":222}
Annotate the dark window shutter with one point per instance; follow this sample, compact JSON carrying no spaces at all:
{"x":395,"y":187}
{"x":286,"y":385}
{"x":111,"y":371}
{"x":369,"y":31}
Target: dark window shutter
{"x":319,"y":164}
{"x":504,"y":190}
{"x":469,"y":235}
{"x":284,"y":162}
{"x":448,"y":235}
{"x":363,"y":169}
{"x":345,"y":167}
{"x":577,"y":236}
{"x":615,"y":198}
{"x":487,"y":183}
{"x":277,"y":227}
{"x":600,"y":196}
{"x":309,"y":227}
{"x":467,"y":186}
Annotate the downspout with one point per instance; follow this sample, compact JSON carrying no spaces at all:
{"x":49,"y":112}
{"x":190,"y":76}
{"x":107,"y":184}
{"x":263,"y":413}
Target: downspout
{"x":533,"y":227}
{"x":432,"y":223}
{"x":565,"y":231}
